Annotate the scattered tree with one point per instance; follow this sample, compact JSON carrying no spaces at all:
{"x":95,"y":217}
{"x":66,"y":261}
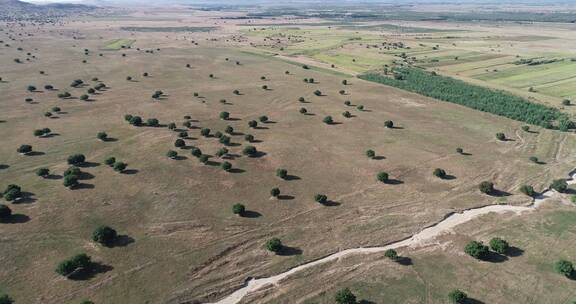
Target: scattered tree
{"x":102,"y":136}
{"x":238,"y":209}
{"x":559,"y":185}
{"x":120,"y":166}
{"x":282,"y":173}
{"x":328,"y":120}
{"x":172,"y":154}
{"x":24,"y":149}
{"x":221,"y":152}
{"x":196,"y":152}
{"x":486,"y":187}
{"x":104,"y":235}
{"x":320,"y":198}
{"x":43,"y":172}
{"x":70,"y":181}
{"x":110,"y":161}
{"x":226,"y":166}
{"x":303,"y":111}
{"x":528,"y":190}
{"x":205,"y":132}
{"x":224,"y":115}
{"x":564,"y":267}
{"x":76,"y":263}
{"x":229,"y":129}
{"x":457,"y":297}
{"x":179,"y":143}
{"x":500,"y":136}
{"x":249,"y":151}
{"x":391,"y":254}
{"x":440,"y":173}
{"x":370,"y":153}
{"x":476,"y":249}
{"x":275,"y":192}
{"x":382,"y":177}
{"x":389,"y":124}
{"x":249,"y":137}
{"x":76,"y":159}
{"x":274,"y":245}
{"x":346,"y":114}
{"x":252,"y":124}
{"x":12,"y":193}
{"x":6,"y":299}
{"x":263,"y":118}
{"x":499,"y":245}
{"x":345,"y":296}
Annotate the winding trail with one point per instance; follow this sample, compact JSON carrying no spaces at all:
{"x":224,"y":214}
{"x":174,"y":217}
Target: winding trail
{"x":419,"y":239}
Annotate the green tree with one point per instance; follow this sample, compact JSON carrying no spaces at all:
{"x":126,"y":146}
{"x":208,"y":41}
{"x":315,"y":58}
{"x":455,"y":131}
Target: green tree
{"x":229,"y":129}
{"x":221,"y":152}
{"x":136,"y":121}
{"x":320,"y":198}
{"x":382,"y":177}
{"x":205,"y":132}
{"x":249,"y":137}
{"x":499,"y":245}
{"x":120,"y":167}
{"x":84,"y":97}
{"x":152,"y":122}
{"x":274,"y":245}
{"x":346,"y":114}
{"x":76,"y":159}
{"x":75,"y":263}
{"x":102,"y":136}
{"x":318,"y":93}
{"x":440,"y":173}
{"x":263,"y":119}
{"x":282,"y":173}
{"x":238,"y":209}
{"x":249,"y":151}
{"x":457,"y":296}
{"x":459,"y":150}
{"x":328,"y":120}
{"x":564,"y":267}
{"x":389,"y":124}
{"x":203,"y":159}
{"x":225,"y":140}
{"x":172,"y":154}
{"x":345,"y":296}
{"x":252,"y":124}
{"x":196,"y":152}
{"x":226,"y":166}
{"x":275,"y":192}
{"x":172,"y":126}
{"x":179,"y":143}
{"x":6,"y":299}
{"x":476,"y":249}
{"x":43,"y":172}
{"x":500,"y":136}
{"x":183,"y":134}
{"x":70,"y":181}
{"x":110,"y":161}
{"x":303,"y":111}
{"x":486,"y":187}
{"x":24,"y":149}
{"x":528,"y":190}
{"x":370,"y":153}
{"x":104,"y":235}
{"x":347,"y":103}
{"x":559,"y":185}
{"x":391,"y":254}
{"x":12,"y":192}
{"x":224,"y":115}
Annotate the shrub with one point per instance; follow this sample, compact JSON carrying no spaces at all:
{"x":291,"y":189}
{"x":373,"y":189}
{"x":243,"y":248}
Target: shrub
{"x":70,"y":181}
{"x":179,"y":143}
{"x":320,"y":198}
{"x":564,"y":267}
{"x":486,"y":187}
{"x":459,"y":150}
{"x":76,"y":159}
{"x":172,"y":154}
{"x":104,"y":235}
{"x":263,"y":118}
{"x":439,"y":173}
{"x":128,"y":117}
{"x":221,"y":152}
{"x":382,"y":177}
{"x":203,"y":158}
{"x":229,"y":129}
{"x":24,"y":149}
{"x":264,"y":87}
{"x":172,"y":126}
{"x":559,"y":185}
{"x":274,"y":245}
{"x":225,"y":140}
{"x":360,"y":108}
{"x":457,"y":297}
{"x":205,"y":132}
{"x":252,"y":124}
{"x":218,"y":134}
{"x":275,"y":192}
{"x":566,"y":102}
{"x":56,"y":109}
{"x":528,"y":190}
{"x":236,"y":92}
{"x":72,"y":170}
{"x":38,"y":132}
{"x":48,"y":114}
{"x":328,"y":120}
{"x":84,"y":97}
{"x":500,"y":136}
{"x":346,"y":114}
{"x":370,"y":153}
{"x":476,"y":249}
{"x":525,"y":128}
{"x":136,"y":121}
{"x":43,"y":172}
{"x":196,"y":152}
{"x":238,"y":209}
{"x":389,"y":124}
{"x":226,"y":166}
{"x":102,"y":136}
{"x":120,"y":166}
{"x":318,"y":93}
{"x":5,"y":212}
{"x":344,"y":82}
{"x":391,"y":254}
{"x":345,"y":296}
{"x":347,"y":103}
{"x":249,"y":150}
{"x":12,"y":192}
{"x":342,"y":92}
{"x":110,"y":161}
{"x":301,"y":99}
{"x":152,"y":122}
{"x":187,"y":124}
{"x":224,"y":115}
{"x":5,"y":299}
{"x":303,"y":111}
{"x":77,"y":262}
{"x":499,"y":245}
{"x":249,"y":137}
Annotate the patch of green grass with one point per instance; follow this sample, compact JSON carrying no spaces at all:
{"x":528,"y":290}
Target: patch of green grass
{"x":118,"y":44}
{"x":160,"y":29}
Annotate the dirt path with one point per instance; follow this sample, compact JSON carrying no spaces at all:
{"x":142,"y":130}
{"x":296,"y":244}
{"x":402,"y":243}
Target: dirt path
{"x":420,"y":239}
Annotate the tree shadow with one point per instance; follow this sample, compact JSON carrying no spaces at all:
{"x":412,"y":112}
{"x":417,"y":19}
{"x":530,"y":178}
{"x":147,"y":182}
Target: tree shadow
{"x":261,"y":128}
{"x":231,"y":156}
{"x":251,"y":214}
{"x":539,"y":162}
{"x":309,"y":114}
{"x":366,"y":302}
{"x":35,"y":153}
{"x":236,"y":133}
{"x":285,"y":197}
{"x":291,"y":177}
{"x":258,"y":154}
{"x":499,"y":193}
{"x":110,"y":139}
{"x":212,"y":163}
{"x":449,"y":177}
{"x":87,"y":164}
{"x":233,"y":119}
{"x":51,"y":135}
{"x":85,"y":176}
{"x":289,"y":251}
{"x":378,"y":157}
{"x":514,"y":251}
{"x":130,"y":171}
{"x":270,"y":122}
{"x":494,"y":257}
{"x":393,"y":181}
{"x":472,"y":301}
{"x":83,"y":186}
{"x":123,"y":241}
{"x":25,"y":198}
{"x":236,"y":170}
{"x":2,"y":167}
{"x":16,"y":219}
{"x":465,"y":153}
{"x":94,"y":269}
{"x":54,"y":176}
{"x":396,"y":127}
{"x":330,"y":203}
{"x":404,"y":261}
{"x":180,"y":157}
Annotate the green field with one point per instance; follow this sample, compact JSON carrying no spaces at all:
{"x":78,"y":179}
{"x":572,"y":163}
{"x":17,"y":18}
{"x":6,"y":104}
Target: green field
{"x":118,"y":44}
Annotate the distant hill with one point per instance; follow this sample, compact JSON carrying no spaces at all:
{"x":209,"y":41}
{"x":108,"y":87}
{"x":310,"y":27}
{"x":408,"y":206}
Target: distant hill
{"x":20,"y":10}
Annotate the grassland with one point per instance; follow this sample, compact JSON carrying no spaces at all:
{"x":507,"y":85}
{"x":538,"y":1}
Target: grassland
{"x":181,"y":241}
{"x":118,"y":44}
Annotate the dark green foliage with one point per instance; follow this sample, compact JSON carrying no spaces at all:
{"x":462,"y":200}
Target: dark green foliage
{"x":370,"y":153}
{"x":91,"y":91}
{"x":345,"y":296}
{"x":152,"y":122}
{"x":80,"y":261}
{"x":360,"y":107}
{"x":566,"y":102}
{"x":382,"y":177}
{"x":564,"y":267}
{"x":48,"y":114}
{"x":389,"y":124}
{"x":472,"y":96}
{"x":43,"y":172}
{"x":250,"y":151}
{"x":459,"y":150}
{"x":457,"y":297}
{"x":328,"y":120}
{"x":136,"y":121}
{"x":31,"y":88}
{"x":205,"y":132}
{"x":196,"y":152}
{"x":282,"y":173}
{"x":70,"y":181}
{"x":303,"y":111}
{"x":224,"y":115}
{"x":203,"y":158}
{"x":391,"y":254}
{"x":221,"y":152}
{"x":320,"y":198}
{"x":346,"y":114}
{"x":274,"y":245}
{"x":225,"y":140}
{"x":342,"y":92}
{"x":218,"y":134}
{"x":5,"y":299}
{"x":236,"y":92}
{"x":439,"y":173}
{"x":172,"y":154}
{"x":318,"y":93}
{"x":64,"y":95}
{"x":525,"y":128}
{"x":263,"y":118}
{"x":499,"y":245}
{"x":249,"y":137}
{"x":226,"y":166}
{"x":183,"y":134}
{"x":56,"y":109}
{"x":172,"y":126}
{"x":275,"y":192}
{"x":84,"y":97}
{"x":500,"y":136}
{"x":486,"y":187}
{"x":72,"y":170}
{"x":102,"y":136}
{"x":120,"y":166}
{"x":179,"y":143}
{"x":533,"y":159}
{"x":12,"y":192}
{"x":559,"y":185}
{"x":128,"y":117}
{"x":110,"y":161}
{"x":238,"y":209}
{"x":104,"y":235}
{"x":24,"y":149}
{"x":76,"y":159}
{"x":252,"y":124}
{"x":476,"y":249}
{"x":528,"y":190}
{"x":229,"y":129}
{"x":347,"y":103}
{"x":5,"y":212}
{"x":264,"y":87}
{"x":301,"y":99}
{"x":188,"y":124}
{"x":344,"y":82}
